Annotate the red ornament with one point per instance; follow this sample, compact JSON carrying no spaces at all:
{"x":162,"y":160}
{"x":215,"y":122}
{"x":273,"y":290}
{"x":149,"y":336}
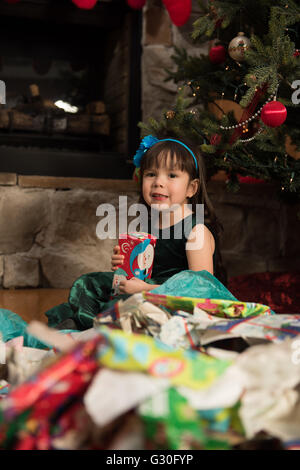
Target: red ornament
{"x":217,"y":54}
{"x":296,"y":53}
{"x":215,"y":139}
{"x":85,"y":4}
{"x":179,"y":10}
{"x":250,"y":180}
{"x":273,"y":114}
{"x":136,"y":4}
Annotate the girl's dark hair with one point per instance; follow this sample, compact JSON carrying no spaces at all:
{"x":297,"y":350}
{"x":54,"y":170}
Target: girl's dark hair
{"x":182,"y":159}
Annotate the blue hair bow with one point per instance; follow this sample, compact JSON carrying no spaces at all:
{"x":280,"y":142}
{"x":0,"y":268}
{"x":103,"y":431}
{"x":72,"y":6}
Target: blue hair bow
{"x":145,"y":144}
{"x":148,"y":142}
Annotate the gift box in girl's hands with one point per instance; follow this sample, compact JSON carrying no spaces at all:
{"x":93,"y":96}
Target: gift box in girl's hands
{"x":138,"y":251}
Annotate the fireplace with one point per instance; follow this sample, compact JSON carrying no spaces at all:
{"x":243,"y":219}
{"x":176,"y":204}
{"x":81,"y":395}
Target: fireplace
{"x":72,"y":88}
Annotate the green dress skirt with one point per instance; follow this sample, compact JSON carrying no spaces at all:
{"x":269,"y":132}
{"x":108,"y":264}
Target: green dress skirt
{"x":89,"y":295}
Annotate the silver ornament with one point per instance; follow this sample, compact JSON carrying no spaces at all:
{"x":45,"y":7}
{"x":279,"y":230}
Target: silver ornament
{"x":238,"y":46}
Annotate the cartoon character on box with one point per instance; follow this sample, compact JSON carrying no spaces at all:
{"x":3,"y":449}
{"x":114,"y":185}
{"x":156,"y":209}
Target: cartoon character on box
{"x":137,"y":263}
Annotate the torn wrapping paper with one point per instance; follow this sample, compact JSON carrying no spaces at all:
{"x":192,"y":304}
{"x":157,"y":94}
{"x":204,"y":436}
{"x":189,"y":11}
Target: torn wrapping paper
{"x":208,"y":402}
{"x":271,"y":400}
{"x":265,"y":381}
{"x":172,"y":423}
{"x":18,"y":362}
{"x":133,"y":315}
{"x":180,"y":332}
{"x":139,"y":352}
{"x":4,"y":388}
{"x":225,"y":392}
{"x":104,"y":407}
{"x":219,"y":307}
{"x":160,"y":377}
{"x":47,"y":410}
{"x":22,"y":364}
{"x":275,"y":328}
{"x":152,"y":313}
{"x":48,"y":407}
{"x":192,"y":331}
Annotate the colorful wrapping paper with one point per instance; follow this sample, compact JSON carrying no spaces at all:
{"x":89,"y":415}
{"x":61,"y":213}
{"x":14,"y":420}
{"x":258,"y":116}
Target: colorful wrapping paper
{"x":275,"y":328}
{"x":171,"y":423}
{"x":139,"y":352}
{"x":193,"y":331}
{"x":4,"y":389}
{"x":47,"y":411}
{"x":218,"y":307}
{"x":38,"y":410}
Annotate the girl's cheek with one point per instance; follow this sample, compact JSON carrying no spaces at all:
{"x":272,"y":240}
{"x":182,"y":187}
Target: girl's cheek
{"x":144,"y":186}
{"x":144,"y":191}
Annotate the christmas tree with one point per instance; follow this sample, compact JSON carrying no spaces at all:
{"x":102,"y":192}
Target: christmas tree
{"x":240,"y":103}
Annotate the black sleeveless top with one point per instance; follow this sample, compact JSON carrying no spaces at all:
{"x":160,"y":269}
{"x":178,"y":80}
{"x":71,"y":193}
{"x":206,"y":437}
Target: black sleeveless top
{"x":170,"y":253}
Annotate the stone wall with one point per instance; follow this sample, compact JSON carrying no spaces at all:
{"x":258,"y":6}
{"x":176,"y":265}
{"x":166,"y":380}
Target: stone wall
{"x":48,"y":229}
{"x":261,"y":233}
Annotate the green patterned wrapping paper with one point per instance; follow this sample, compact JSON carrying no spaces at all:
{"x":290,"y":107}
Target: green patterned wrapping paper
{"x":218,"y":307}
{"x":138,"y":352}
{"x":172,"y":423}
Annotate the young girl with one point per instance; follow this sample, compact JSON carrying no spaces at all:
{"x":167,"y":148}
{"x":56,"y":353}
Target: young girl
{"x":172,"y":183}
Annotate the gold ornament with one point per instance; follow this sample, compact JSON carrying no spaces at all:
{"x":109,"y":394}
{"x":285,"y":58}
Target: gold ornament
{"x":220,"y":107}
{"x":170,"y":114}
{"x":238,"y":46}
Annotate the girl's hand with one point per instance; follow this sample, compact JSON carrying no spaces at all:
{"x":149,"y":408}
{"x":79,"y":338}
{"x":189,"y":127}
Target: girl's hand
{"x":133,"y":286}
{"x":116,"y":259}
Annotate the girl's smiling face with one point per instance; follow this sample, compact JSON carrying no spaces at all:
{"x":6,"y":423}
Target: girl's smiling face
{"x":167,"y":186}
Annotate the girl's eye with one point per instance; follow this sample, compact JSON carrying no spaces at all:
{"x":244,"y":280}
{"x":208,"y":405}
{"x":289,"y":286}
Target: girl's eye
{"x":173,"y":175}
{"x":149,"y":173}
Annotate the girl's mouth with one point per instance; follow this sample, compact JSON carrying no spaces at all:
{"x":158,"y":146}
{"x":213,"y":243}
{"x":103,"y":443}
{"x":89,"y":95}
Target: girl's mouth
{"x":159,"y":197}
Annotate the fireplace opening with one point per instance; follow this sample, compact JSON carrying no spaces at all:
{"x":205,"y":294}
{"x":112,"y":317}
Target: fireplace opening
{"x":72,"y":82}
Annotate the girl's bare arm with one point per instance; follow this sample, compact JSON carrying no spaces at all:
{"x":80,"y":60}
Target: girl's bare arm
{"x":200,"y":249}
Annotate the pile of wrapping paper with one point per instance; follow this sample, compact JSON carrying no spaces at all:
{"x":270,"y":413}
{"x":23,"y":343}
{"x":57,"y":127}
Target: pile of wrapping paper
{"x":150,"y":375}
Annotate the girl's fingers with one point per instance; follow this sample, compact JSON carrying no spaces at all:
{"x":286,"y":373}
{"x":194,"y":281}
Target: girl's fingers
{"x":116,"y":258}
{"x":121,"y":287}
{"x":115,"y":265}
{"x":115,"y":262}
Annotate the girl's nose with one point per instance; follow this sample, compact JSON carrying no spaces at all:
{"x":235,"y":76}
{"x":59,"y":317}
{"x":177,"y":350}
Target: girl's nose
{"x":158,"y":181}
